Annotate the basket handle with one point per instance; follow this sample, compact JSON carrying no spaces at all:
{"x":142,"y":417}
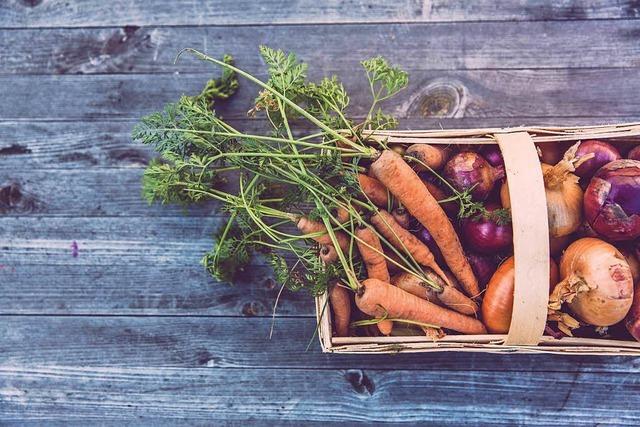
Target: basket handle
{"x":530,"y":238}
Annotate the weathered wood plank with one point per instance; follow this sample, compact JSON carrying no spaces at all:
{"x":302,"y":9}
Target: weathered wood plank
{"x":133,"y":393}
{"x":141,"y":289}
{"x":107,"y":144}
{"x":232,"y":342}
{"x":417,"y":47}
{"x":58,"y":13}
{"x":78,"y":192}
{"x":476,"y":93}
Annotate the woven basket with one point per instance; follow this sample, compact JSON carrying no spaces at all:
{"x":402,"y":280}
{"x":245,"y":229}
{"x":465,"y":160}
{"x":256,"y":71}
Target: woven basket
{"x":530,"y":245}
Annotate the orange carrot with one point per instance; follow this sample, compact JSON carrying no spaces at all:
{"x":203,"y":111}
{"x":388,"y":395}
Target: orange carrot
{"x":307,"y":226}
{"x":431,"y":155}
{"x":401,"y":238}
{"x":341,"y":308}
{"x":375,"y":297}
{"x":371,"y":251}
{"x":342,"y":215}
{"x":374,"y":190}
{"x":407,"y":187}
{"x":449,"y":296}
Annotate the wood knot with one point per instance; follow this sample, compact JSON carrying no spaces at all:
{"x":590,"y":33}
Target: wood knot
{"x":360,"y":382}
{"x":252,"y":308}
{"x":13,"y":199}
{"x":439,"y":98}
{"x":14,"y":149}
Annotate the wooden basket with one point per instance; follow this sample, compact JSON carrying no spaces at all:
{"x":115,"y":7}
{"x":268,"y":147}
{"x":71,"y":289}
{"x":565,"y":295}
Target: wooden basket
{"x":530,"y":245}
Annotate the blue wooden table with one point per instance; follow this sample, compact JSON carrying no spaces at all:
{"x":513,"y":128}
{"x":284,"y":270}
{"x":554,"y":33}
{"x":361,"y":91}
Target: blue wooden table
{"x":106,"y":316}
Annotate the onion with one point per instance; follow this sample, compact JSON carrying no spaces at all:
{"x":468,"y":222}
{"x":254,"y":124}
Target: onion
{"x":483,"y":266}
{"x":634,"y":154}
{"x":632,"y":322}
{"x":585,"y":230}
{"x":564,"y":195}
{"x":603,"y":153}
{"x":558,"y":244}
{"x":487,"y":234}
{"x":468,"y":169}
{"x":551,"y":152}
{"x":630,"y":256}
{"x":612,"y":200}
{"x":492,"y":155}
{"x":497,"y":304}
{"x":596,"y":285}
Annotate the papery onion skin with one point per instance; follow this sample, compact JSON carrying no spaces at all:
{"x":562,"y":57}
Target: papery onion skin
{"x":603,"y":153}
{"x":603,"y":268}
{"x":468,"y":169}
{"x":564,"y":204}
{"x":612,"y":201}
{"x":486,"y":235}
{"x":632,"y":321}
{"x":497,"y":303}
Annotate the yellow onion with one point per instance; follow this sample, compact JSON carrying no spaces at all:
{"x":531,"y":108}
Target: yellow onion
{"x":596,"y":284}
{"x":497,"y":303}
{"x":564,"y":195}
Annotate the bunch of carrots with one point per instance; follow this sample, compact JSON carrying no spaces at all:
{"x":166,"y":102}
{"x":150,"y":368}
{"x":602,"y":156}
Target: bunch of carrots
{"x":403,"y":238}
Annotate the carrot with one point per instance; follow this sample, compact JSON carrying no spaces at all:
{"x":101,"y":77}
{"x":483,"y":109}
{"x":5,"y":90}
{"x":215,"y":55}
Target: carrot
{"x":391,"y":266}
{"x":401,"y":216}
{"x":342,"y":215}
{"x":341,"y":308}
{"x":371,"y":251}
{"x":401,"y":238}
{"x":308,"y":226}
{"x":449,"y":296}
{"x":376,"y":297}
{"x":407,"y":187}
{"x":328,"y":254}
{"x":450,"y":208}
{"x":374,"y":190}
{"x":433,"y":156}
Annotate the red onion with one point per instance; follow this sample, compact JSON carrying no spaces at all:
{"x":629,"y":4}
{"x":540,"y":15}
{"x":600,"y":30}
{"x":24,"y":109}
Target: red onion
{"x":632,"y":322}
{"x":486,"y":234}
{"x":468,"y":169}
{"x":603,"y":153}
{"x":612,"y":200}
{"x":427,"y":239}
{"x":493,"y":155}
{"x":634,"y":154}
{"x":483,"y":266}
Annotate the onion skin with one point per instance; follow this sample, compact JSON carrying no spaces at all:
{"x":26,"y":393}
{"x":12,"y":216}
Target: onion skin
{"x":612,"y":201}
{"x":492,"y":155}
{"x":564,"y":201}
{"x":603,"y":153}
{"x":630,"y":256}
{"x":634,"y":154}
{"x":603,"y":269}
{"x":485,"y":235}
{"x":483,"y":266}
{"x":551,"y":152}
{"x":497,"y":304}
{"x":558,"y":244}
{"x":468,"y":169}
{"x":632,"y":321}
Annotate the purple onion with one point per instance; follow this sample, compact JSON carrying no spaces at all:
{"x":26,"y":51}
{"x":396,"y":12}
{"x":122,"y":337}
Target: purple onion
{"x":493,"y":155}
{"x":483,"y":266}
{"x":612,"y":200}
{"x":603,"y":153}
{"x":485,"y":235}
{"x":427,"y":239}
{"x":468,"y":170}
{"x":634,"y":154}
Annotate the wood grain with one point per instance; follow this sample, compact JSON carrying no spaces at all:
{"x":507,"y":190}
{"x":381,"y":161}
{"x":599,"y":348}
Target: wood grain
{"x":478,"y":45}
{"x":213,"y":341}
{"x":431,"y":94}
{"x":59,"y":13}
{"x":107,"y":144}
{"x":134,"y":393}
